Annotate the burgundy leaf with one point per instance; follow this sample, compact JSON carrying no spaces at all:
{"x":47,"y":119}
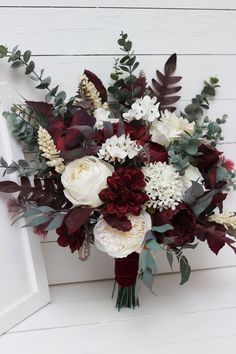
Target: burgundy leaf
{"x":87,"y":131}
{"x":170,"y":65}
{"x":123,"y":224}
{"x":163,"y":86}
{"x":108,"y":130}
{"x":9,"y":187}
{"x":76,"y":218}
{"x":98,"y":84}
{"x":81,"y":117}
{"x":41,"y":107}
{"x":78,"y":153}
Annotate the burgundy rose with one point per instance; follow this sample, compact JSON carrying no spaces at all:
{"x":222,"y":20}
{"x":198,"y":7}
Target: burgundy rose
{"x":183,"y":222}
{"x":209,"y":158}
{"x":157,"y":152}
{"x":124,"y":194}
{"x":72,"y":239}
{"x":62,"y":132}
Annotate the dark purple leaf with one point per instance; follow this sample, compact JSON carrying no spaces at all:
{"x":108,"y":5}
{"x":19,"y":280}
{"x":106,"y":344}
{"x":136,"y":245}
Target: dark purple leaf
{"x":108,"y":130}
{"x":81,"y":117}
{"x":87,"y":131}
{"x":115,"y":222}
{"x":9,"y":187}
{"x":41,"y":107}
{"x":80,"y":152}
{"x":170,"y":65}
{"x":169,"y":100}
{"x":98,"y":84}
{"x":76,"y":218}
{"x":121,"y":128}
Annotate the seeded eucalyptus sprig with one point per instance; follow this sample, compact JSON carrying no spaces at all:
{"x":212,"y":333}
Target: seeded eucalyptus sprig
{"x":127,"y":86}
{"x":194,"y":111}
{"x":19,"y":59}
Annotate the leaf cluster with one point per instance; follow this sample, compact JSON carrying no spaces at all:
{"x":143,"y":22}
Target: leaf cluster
{"x":36,"y":167}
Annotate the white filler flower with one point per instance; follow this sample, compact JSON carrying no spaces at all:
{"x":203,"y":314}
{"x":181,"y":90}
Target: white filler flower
{"x":144,"y":108}
{"x":84,"y":178}
{"x":102,"y":115}
{"x":164,"y":186}
{"x":170,"y":127}
{"x":118,"y":148}
{"x":119,"y":244}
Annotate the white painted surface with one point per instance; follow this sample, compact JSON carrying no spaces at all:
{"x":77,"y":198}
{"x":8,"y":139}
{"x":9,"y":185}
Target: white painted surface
{"x":82,"y":34}
{"x":197,"y":318}
{"x":23,"y":278}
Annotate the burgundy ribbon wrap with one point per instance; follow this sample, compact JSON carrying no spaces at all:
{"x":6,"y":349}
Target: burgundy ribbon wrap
{"x":126,"y":269}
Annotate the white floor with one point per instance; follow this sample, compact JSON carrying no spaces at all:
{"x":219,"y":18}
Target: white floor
{"x":197,"y":318}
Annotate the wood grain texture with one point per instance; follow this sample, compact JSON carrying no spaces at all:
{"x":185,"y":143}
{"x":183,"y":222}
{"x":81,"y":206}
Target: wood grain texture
{"x":189,"y":4}
{"x":93,"y":31}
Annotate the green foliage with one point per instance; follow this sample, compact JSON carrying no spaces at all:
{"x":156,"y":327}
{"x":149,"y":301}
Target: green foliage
{"x":127,"y":86}
{"x":194,"y":111}
{"x":182,"y":151}
{"x":19,"y":59}
{"x":24,"y":168}
{"x":21,"y":128}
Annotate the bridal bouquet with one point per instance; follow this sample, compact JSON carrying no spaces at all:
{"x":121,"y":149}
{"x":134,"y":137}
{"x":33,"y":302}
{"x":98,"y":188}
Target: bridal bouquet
{"x":119,"y":169}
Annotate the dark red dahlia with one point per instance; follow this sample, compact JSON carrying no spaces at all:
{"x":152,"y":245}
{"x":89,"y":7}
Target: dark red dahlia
{"x":183,"y":222}
{"x":124,"y":193}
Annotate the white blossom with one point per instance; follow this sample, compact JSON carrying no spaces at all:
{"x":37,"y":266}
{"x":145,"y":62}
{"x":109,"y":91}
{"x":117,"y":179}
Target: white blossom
{"x":49,"y":150}
{"x":119,"y":244}
{"x":170,"y":127}
{"x":164,"y":186}
{"x":192,"y":173}
{"x":102,"y":115}
{"x":84,"y":178}
{"x":144,"y":108}
{"x":118,"y":148}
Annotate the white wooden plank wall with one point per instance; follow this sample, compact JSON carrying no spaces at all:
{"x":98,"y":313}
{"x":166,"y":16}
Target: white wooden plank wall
{"x":67,"y":36}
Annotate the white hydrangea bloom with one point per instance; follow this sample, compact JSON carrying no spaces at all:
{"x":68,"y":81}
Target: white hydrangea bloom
{"x":119,"y":244}
{"x":102,"y":115}
{"x":164,"y":186}
{"x":118,"y":148}
{"x":170,"y":127}
{"x":144,"y":108}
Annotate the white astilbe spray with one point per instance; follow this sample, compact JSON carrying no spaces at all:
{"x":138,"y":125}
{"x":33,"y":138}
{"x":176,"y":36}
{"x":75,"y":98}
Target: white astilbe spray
{"x":227,"y":218}
{"x":164,"y":186}
{"x":118,"y":148}
{"x":49,"y":150}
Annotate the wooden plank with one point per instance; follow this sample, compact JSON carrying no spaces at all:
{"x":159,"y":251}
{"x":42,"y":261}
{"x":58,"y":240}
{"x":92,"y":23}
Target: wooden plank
{"x":89,"y":31}
{"x":205,"y":291}
{"x":67,"y":71}
{"x":101,"y":266}
{"x":119,"y":335}
{"x":189,"y":4}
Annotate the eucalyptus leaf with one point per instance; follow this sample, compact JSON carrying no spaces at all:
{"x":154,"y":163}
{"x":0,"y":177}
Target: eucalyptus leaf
{"x":162,"y":228}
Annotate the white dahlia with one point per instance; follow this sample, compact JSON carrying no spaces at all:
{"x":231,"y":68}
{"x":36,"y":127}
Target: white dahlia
{"x":144,"y":108}
{"x":164,"y":186}
{"x":118,"y":148}
{"x":170,"y":127}
{"x":119,"y":244}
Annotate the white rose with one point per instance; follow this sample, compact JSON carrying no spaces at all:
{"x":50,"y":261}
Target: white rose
{"x":192,"y":174}
{"x":169,"y":128}
{"x":102,"y":115}
{"x":84,"y":178}
{"x":119,"y":244}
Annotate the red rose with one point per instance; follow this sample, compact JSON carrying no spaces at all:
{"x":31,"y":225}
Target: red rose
{"x":64,"y":136}
{"x":183,"y":222}
{"x":123,"y":195}
{"x":229,"y":165}
{"x":72,"y":239}
{"x":209,"y":158}
{"x":157,"y":152}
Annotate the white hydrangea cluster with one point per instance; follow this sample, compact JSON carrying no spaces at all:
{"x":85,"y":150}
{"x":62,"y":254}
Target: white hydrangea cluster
{"x":118,"y":148}
{"x":89,"y":88}
{"x":144,"y":108}
{"x":119,"y":244}
{"x":227,"y":218}
{"x":164,"y":186}
{"x":50,"y":152}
